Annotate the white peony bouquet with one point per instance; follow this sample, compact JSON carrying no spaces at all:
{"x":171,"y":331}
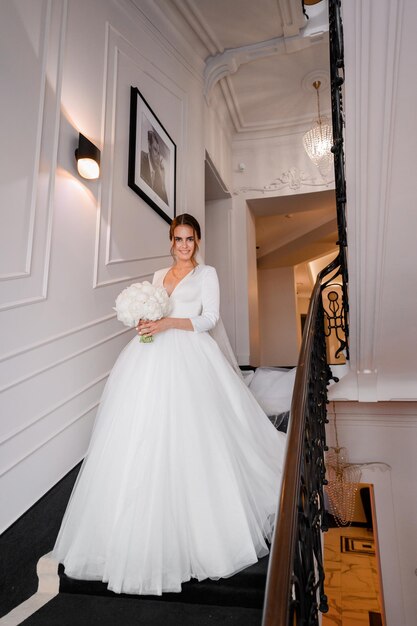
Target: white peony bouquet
{"x":142,"y":301}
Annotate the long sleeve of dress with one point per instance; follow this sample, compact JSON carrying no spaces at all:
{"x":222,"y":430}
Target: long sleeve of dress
{"x":210,"y":297}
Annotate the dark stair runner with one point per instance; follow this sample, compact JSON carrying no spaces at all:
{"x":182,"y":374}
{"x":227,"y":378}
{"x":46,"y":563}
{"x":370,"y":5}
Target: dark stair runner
{"x":230,"y":601}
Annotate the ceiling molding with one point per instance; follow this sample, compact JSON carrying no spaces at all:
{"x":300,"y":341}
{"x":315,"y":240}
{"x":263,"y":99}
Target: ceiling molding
{"x":323,"y":75}
{"x":199,"y":25}
{"x":293,"y":179}
{"x":158,"y":23}
{"x":226,"y":63}
{"x":291,"y":125}
{"x":221,"y":63}
{"x":232,"y":104}
{"x":292,"y":16}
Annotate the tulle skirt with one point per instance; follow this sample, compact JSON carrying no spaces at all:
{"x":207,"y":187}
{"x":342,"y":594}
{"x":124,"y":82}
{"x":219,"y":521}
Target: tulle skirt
{"x":182,"y":476}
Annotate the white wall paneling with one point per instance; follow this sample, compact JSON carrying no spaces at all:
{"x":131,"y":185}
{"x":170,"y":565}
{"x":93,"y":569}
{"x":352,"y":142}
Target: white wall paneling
{"x":44,"y":464}
{"x":219,"y":252}
{"x":218,"y":136}
{"x":379,"y":51}
{"x":21,"y":364}
{"x":142,"y":248}
{"x":57,"y":389}
{"x":32,"y":40}
{"x":70,"y":67}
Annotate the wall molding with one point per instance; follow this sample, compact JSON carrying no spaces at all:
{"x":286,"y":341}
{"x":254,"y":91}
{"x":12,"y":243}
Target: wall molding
{"x":57,"y":337}
{"x":62,"y":360}
{"x":140,"y":258}
{"x":293,"y":179}
{"x":181,"y":49}
{"x":55,"y":407}
{"x":33,"y":283}
{"x":118,"y":47}
{"x":55,"y":434}
{"x":123,"y":279}
{"x":382,"y":414}
{"x":369,"y":158}
{"x":32,"y":204}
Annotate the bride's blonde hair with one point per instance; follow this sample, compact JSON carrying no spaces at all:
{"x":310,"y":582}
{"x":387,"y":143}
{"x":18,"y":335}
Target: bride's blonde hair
{"x":185,"y":219}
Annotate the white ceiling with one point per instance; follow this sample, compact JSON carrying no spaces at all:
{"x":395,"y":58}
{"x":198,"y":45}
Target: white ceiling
{"x":265,"y":55}
{"x":294,"y":229}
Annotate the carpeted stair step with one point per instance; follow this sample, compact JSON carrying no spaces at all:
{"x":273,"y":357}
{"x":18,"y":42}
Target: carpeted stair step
{"x":84,"y":610}
{"x":245,"y":589}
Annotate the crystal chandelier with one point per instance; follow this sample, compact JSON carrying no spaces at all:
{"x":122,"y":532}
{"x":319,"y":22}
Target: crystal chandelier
{"x":318,"y":141}
{"x":343,"y":482}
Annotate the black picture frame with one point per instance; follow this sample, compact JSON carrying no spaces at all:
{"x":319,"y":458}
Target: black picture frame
{"x":152,"y":167}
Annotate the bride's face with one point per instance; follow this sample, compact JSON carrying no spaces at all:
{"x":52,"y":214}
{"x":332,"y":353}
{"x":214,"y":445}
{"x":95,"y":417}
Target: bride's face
{"x":184,"y":243}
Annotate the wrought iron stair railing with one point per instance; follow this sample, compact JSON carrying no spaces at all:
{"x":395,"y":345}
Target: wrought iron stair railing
{"x":295,"y":590}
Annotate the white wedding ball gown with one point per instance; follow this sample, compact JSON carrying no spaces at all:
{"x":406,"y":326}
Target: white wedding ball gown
{"x":183,"y":472}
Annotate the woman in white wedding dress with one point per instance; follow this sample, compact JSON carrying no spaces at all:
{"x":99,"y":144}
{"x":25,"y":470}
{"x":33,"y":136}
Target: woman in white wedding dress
{"x":182,"y":476}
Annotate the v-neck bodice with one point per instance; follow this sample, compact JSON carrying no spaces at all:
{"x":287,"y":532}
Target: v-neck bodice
{"x":196,"y":296}
{"x":179,"y":282}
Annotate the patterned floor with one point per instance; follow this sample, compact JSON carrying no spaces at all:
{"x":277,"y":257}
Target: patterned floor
{"x":352,"y":578}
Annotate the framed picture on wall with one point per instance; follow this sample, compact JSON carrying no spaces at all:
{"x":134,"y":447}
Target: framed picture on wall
{"x":152,"y":158}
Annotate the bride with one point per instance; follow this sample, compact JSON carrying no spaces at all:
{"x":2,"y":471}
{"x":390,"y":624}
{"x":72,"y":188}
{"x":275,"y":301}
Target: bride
{"x":182,"y":476}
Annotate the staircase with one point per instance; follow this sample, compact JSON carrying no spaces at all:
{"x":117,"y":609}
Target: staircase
{"x":237,"y":600}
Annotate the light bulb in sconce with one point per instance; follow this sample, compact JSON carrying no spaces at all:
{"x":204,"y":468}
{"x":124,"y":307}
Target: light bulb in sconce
{"x":88,"y":158}
{"x":88,"y":168}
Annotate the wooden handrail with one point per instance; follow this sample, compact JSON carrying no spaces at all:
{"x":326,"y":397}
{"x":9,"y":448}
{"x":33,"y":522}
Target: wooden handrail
{"x":280,"y":571}
{"x":279,"y":580}
{"x":294,"y":589}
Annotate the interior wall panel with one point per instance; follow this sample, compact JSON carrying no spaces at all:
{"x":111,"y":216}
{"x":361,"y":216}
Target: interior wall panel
{"x":34,"y":65}
{"x":120,"y":251}
{"x":49,"y":387}
{"x":45,"y":465}
{"x":88,"y":239}
{"x":34,"y":356}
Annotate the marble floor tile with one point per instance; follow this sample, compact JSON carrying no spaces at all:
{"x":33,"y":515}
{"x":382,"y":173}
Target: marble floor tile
{"x":356,"y":576}
{"x":352,"y":580}
{"x":333,"y":578}
{"x":355,"y":618}
{"x":332,"y":620}
{"x":366,"y":601}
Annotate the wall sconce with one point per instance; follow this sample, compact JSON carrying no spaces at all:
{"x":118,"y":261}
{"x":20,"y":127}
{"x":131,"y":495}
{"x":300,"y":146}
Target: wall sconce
{"x":88,"y":158}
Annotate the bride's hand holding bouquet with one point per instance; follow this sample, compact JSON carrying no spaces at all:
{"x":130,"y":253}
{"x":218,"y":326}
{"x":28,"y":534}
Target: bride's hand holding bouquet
{"x":143,"y":305}
{"x":148,"y":328}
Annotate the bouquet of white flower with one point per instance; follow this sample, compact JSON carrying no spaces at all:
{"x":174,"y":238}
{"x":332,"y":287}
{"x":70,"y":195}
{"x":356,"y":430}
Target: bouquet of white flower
{"x":142,"y":301}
